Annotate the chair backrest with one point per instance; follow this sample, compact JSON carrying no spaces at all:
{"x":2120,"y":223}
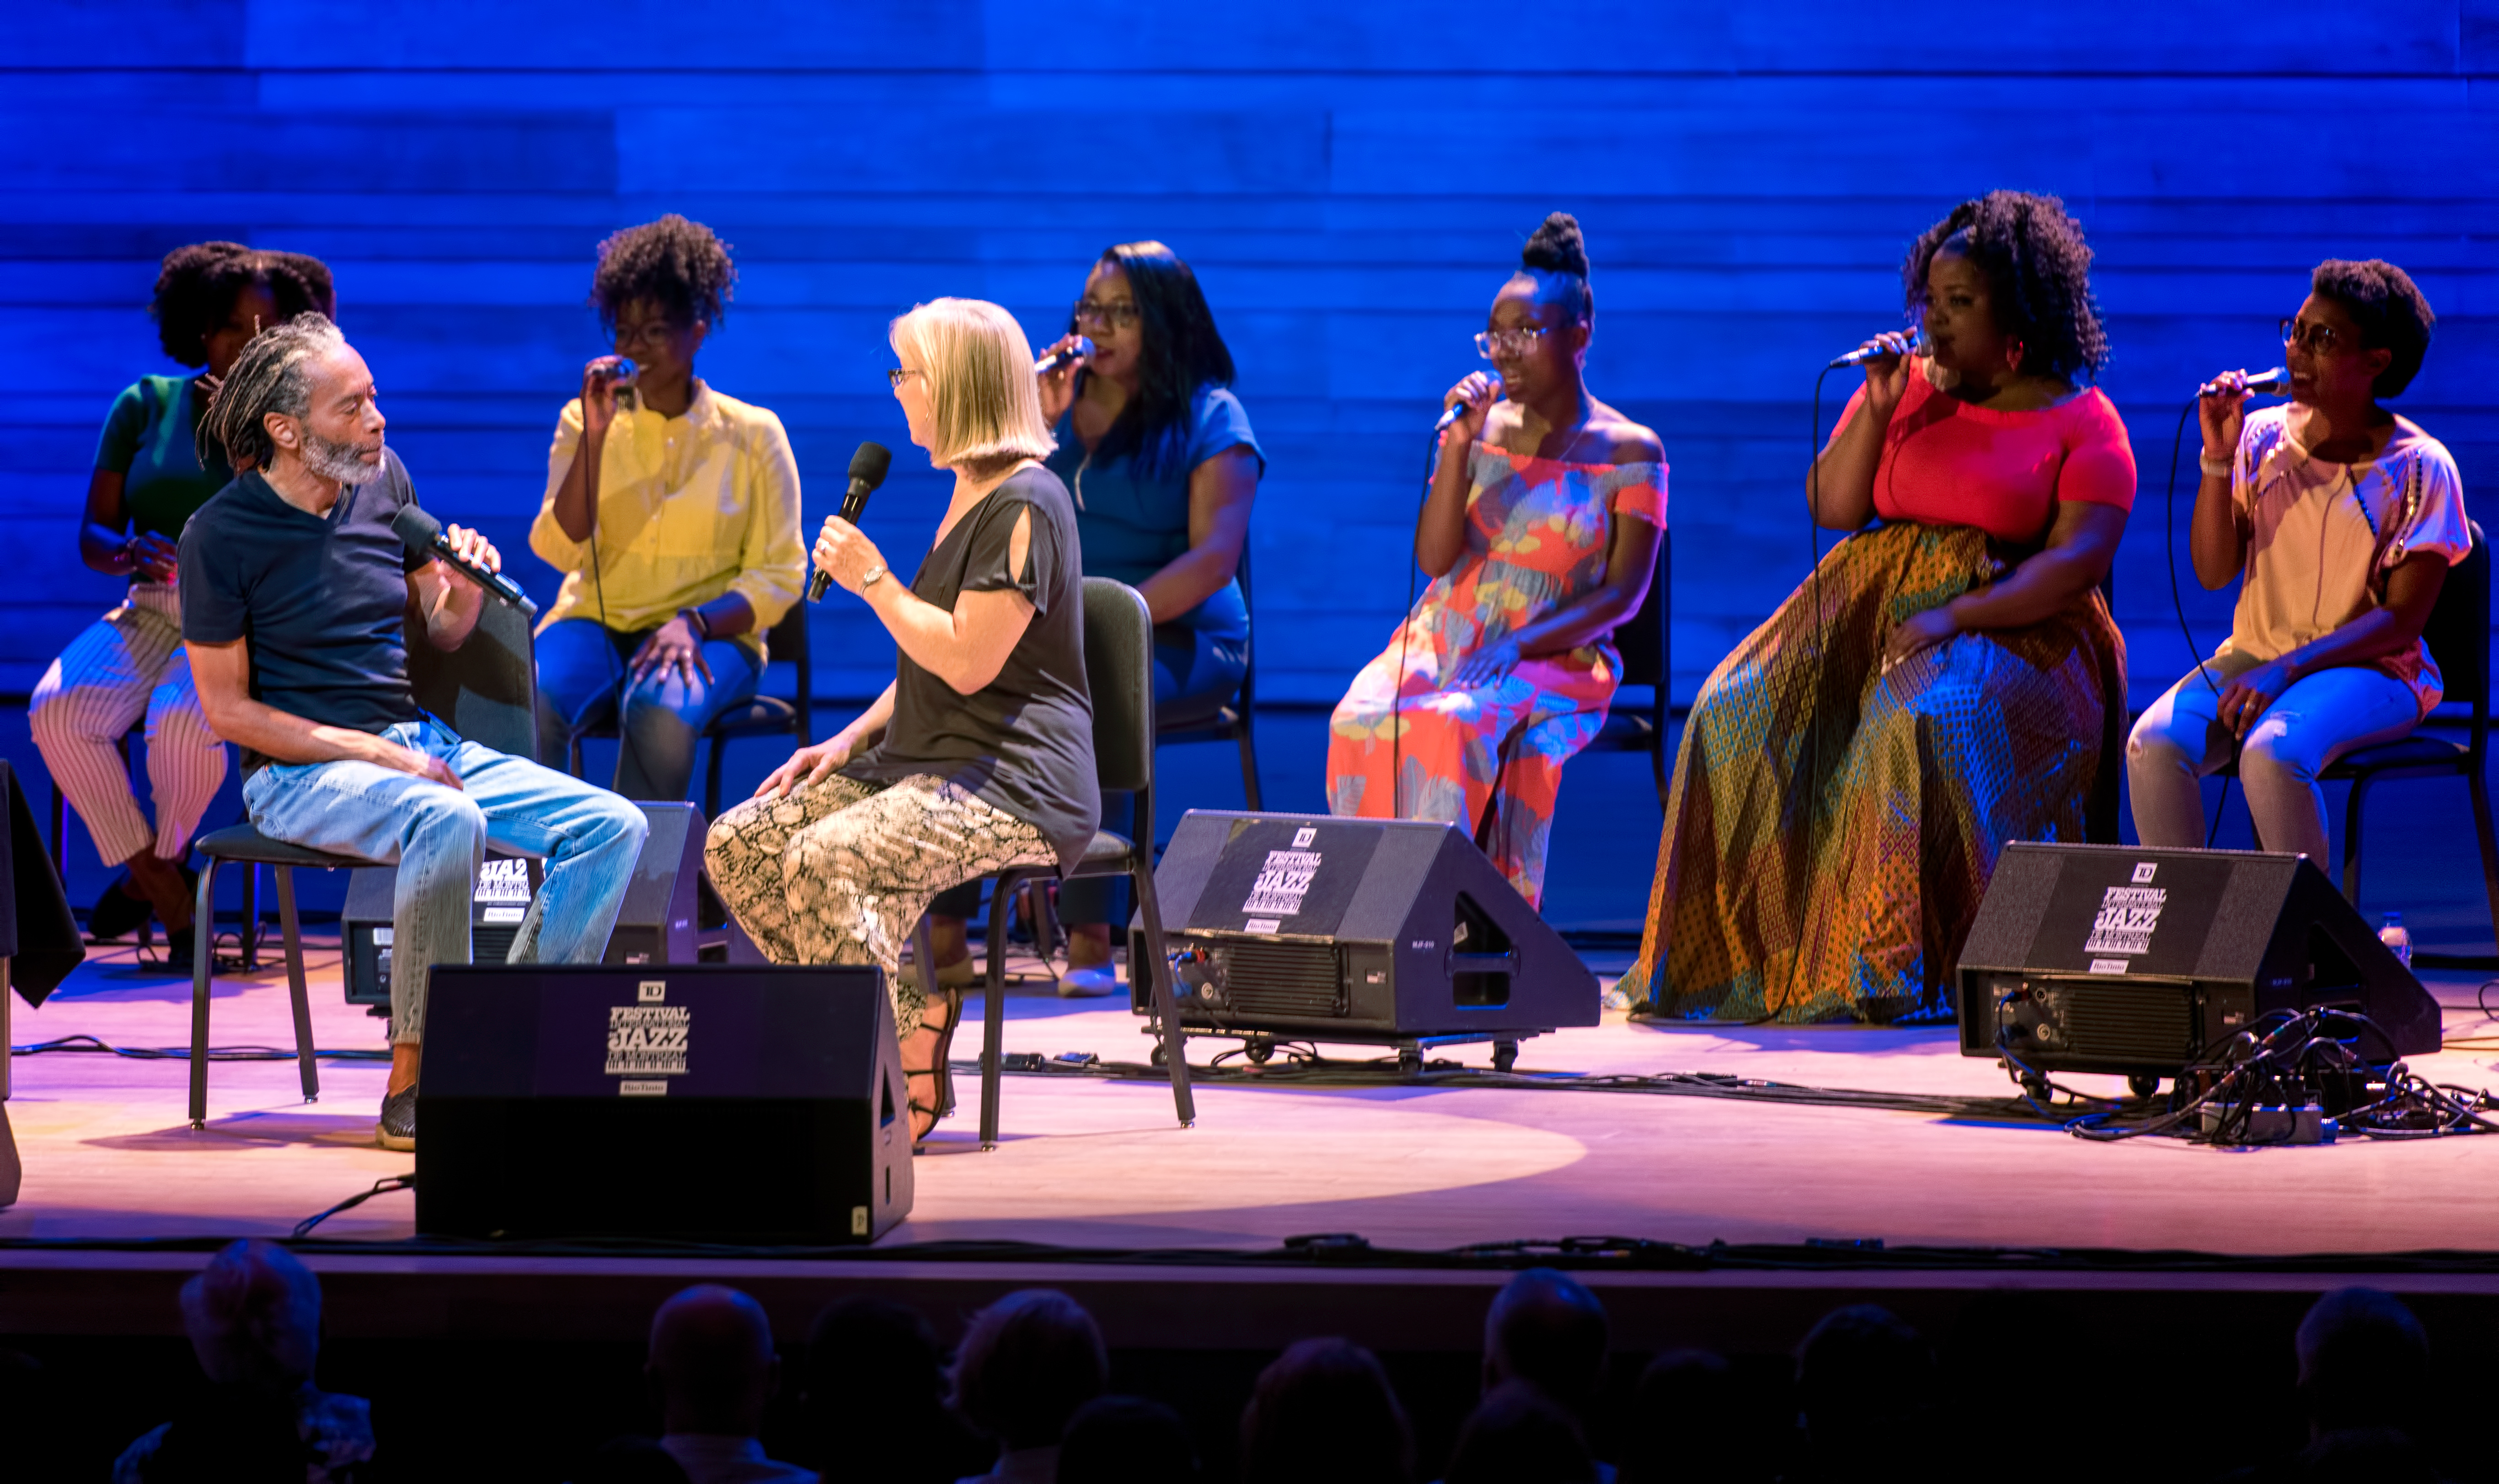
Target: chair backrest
{"x":2459,"y":631}
{"x":1246,"y":698}
{"x":1644,"y":642}
{"x":788,"y":640}
{"x":1119,"y":670}
{"x":487,"y":689}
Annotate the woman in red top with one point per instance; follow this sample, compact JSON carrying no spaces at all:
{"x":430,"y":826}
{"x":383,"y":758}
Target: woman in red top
{"x":1941,"y":685}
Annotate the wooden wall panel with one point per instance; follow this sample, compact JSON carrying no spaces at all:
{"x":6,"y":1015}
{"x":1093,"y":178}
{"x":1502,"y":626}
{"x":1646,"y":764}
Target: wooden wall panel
{"x":1352,"y":182}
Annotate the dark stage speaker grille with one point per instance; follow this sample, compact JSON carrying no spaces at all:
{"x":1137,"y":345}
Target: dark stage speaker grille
{"x":2151,"y":1022}
{"x":1284,"y":978}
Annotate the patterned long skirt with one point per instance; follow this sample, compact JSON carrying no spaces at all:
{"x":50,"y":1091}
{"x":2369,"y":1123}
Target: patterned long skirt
{"x":840,"y":871}
{"x":1832,"y":825}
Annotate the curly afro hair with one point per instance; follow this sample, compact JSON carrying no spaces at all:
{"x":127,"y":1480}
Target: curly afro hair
{"x":2038,"y":275}
{"x":197,"y":285}
{"x":2392,"y":311}
{"x":1558,"y":255}
{"x":675,"y":263}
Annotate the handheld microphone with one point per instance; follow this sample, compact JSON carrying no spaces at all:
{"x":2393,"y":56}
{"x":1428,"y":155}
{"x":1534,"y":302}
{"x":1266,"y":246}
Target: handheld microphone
{"x":1052,"y":362}
{"x":867,"y":471}
{"x":1459,"y":409}
{"x":622,"y":372}
{"x":1864,"y":353}
{"x":422,"y":533}
{"x":2264,"y":383}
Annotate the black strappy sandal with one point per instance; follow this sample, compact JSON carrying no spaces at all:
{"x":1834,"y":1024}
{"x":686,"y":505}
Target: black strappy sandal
{"x":942,"y":1066}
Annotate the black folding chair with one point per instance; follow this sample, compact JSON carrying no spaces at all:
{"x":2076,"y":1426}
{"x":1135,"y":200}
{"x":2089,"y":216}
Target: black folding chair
{"x":762,"y":716}
{"x":487,"y":691}
{"x":2458,"y":635}
{"x":1646,"y":644}
{"x":1119,"y":667}
{"x":1236,"y":721}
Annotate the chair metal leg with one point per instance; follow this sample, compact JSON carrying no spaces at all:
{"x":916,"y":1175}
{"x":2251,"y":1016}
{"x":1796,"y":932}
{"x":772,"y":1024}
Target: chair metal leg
{"x":924,"y":962}
{"x":249,"y":936}
{"x":1156,"y":967}
{"x":204,"y":947}
{"x":1250,"y":767}
{"x":305,"y":1061}
{"x":2352,"y":841}
{"x":993,"y":1012}
{"x":2480,"y":790}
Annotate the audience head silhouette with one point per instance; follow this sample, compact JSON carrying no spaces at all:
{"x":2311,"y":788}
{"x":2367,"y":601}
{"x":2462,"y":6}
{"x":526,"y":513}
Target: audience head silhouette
{"x":1520,"y":1435}
{"x":2363,"y":1361}
{"x":1126,"y":1441}
{"x":1547,"y":1330}
{"x":254,"y":1317}
{"x":1028,"y":1362}
{"x":1324,"y":1413}
{"x":712,"y":1369}
{"x":1681,"y":1424}
{"x":1860,"y":1374}
{"x":876,"y":1397}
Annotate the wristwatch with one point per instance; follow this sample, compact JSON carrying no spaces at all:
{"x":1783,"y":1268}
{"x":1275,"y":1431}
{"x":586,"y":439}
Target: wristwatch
{"x":871,"y":578}
{"x":695,"y":619}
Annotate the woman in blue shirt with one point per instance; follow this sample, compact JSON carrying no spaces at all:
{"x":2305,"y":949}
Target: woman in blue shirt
{"x":1159,"y":455}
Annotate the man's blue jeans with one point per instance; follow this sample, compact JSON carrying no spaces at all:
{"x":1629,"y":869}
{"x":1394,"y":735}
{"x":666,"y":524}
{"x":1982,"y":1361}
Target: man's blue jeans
{"x":437,"y":836}
{"x":581,"y":669}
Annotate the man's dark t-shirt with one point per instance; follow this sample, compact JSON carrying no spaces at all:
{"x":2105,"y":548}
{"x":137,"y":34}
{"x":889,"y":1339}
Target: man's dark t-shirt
{"x":321,"y":600}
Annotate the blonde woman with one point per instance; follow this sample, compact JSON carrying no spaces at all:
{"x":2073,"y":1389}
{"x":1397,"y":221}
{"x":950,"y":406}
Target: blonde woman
{"x":980,"y":754}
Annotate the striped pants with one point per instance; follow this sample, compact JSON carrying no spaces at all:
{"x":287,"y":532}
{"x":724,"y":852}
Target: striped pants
{"x":126,"y":667}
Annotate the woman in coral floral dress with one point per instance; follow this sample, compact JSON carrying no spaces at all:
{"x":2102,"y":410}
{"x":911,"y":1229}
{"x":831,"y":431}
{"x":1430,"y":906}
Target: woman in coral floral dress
{"x":1503,"y":670}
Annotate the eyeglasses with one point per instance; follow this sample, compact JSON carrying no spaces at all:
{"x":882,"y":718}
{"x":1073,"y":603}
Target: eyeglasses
{"x":1492,"y":345}
{"x":2317,"y":340}
{"x":901,"y":373}
{"x":652,"y":332}
{"x":1119,"y":314}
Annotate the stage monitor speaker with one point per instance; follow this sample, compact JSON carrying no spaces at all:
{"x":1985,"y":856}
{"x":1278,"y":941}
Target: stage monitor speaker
{"x":668,"y":915}
{"x":712,"y":1103}
{"x":2117,"y":958}
{"x":1381,"y":930}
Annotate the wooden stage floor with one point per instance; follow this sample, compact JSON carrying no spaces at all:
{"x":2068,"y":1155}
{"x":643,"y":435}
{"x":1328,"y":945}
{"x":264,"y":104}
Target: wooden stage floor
{"x":1097,"y":1163}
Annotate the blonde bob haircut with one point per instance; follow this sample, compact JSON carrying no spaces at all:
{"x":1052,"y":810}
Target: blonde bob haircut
{"x":985,"y":405}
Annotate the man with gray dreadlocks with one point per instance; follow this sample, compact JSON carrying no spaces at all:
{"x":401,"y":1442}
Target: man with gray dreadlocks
{"x":294,"y":591}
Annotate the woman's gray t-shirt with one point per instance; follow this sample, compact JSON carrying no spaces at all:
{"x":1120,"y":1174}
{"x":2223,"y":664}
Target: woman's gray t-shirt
{"x":1024,"y":741}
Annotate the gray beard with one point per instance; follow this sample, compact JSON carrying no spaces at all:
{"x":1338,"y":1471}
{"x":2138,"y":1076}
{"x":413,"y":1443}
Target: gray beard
{"x":336,"y":460}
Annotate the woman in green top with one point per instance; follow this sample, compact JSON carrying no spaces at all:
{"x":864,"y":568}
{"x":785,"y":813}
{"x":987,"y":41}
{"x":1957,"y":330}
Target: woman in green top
{"x":129,"y":664}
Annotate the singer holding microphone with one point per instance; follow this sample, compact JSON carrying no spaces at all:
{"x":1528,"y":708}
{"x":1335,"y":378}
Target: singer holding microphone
{"x":2341,"y":518}
{"x":980,"y":754}
{"x":1160,"y":457}
{"x":1540,"y":533}
{"x":297,"y":591}
{"x":672,"y":510}
{"x":1943,"y":684}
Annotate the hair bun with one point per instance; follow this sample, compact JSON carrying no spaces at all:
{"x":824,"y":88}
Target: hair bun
{"x":1557,"y":247}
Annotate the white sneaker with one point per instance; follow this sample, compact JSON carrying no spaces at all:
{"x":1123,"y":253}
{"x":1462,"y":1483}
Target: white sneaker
{"x":1090,"y":983}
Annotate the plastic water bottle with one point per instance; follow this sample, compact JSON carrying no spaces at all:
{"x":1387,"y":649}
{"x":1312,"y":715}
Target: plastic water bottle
{"x":2395,"y":936}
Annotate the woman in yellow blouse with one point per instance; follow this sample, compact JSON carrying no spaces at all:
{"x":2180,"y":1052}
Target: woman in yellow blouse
{"x":691,"y":550}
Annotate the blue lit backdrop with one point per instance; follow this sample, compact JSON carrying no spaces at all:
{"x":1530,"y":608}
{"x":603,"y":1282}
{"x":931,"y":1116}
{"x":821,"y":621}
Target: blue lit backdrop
{"x":1351,"y":181}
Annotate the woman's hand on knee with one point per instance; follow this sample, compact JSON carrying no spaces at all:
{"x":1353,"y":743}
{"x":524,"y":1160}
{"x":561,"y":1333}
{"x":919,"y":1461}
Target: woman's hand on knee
{"x":2249,"y":695}
{"x":807,"y":766}
{"x":1922,"y":633}
{"x":1486,"y":667}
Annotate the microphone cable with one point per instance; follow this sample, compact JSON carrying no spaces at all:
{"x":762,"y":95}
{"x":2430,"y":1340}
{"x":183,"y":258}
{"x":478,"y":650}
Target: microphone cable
{"x":1821,"y":633}
{"x":2177,"y":603}
{"x":1405,"y":636}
